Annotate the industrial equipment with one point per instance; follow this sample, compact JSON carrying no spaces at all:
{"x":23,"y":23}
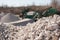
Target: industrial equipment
{"x":30,"y":14}
{"x":50,"y":12}
{"x":36,"y":14}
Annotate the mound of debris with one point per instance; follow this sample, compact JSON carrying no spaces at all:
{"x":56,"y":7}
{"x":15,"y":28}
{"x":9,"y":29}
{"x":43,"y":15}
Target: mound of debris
{"x":46,"y":28}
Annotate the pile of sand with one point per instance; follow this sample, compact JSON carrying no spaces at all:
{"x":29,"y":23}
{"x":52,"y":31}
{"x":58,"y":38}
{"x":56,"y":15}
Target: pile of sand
{"x":46,"y":28}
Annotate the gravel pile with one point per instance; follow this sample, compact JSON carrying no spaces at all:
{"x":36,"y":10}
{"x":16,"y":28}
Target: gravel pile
{"x":1,"y":15}
{"x":46,"y":28}
{"x":9,"y":18}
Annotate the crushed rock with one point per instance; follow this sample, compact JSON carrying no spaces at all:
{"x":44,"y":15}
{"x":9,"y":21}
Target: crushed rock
{"x":46,"y":28}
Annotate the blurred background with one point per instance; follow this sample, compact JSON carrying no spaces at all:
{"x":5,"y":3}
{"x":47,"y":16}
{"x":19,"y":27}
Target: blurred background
{"x":17,"y":6}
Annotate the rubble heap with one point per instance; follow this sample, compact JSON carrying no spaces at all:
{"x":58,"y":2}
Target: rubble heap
{"x":46,"y":28}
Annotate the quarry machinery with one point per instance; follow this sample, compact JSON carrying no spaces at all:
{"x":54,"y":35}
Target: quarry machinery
{"x":30,"y":14}
{"x":50,"y":12}
{"x":37,"y":14}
